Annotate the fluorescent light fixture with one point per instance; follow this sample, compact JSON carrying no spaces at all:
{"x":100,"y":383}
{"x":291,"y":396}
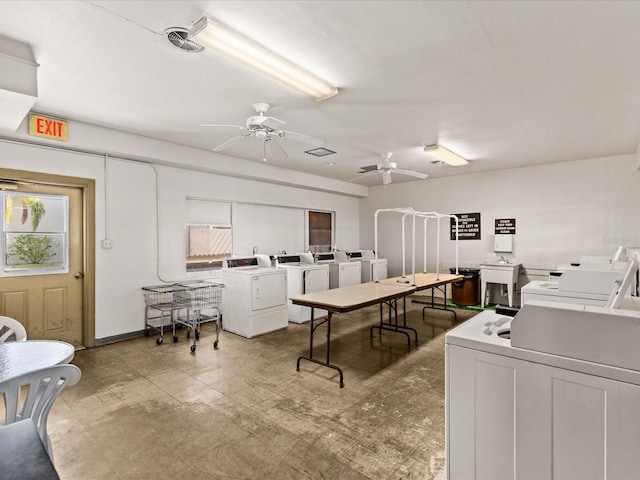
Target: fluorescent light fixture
{"x":217,"y":36}
{"x":447,"y":156}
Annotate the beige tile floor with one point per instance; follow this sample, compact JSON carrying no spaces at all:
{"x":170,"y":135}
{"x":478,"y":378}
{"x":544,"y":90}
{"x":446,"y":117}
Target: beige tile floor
{"x":143,"y":411}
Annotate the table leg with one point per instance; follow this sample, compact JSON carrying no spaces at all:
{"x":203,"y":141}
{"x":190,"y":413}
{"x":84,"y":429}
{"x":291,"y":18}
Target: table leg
{"x":512,"y":287}
{"x":395,"y":326}
{"x":310,"y":357}
{"x":483,"y":293}
{"x":433,"y":305}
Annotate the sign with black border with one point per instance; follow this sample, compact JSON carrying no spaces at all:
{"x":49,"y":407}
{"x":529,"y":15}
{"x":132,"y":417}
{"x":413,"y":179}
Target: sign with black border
{"x":505,"y":226}
{"x":468,"y":226}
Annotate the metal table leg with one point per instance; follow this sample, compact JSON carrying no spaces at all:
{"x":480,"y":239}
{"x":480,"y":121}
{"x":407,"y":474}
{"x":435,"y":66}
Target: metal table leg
{"x":310,"y":357}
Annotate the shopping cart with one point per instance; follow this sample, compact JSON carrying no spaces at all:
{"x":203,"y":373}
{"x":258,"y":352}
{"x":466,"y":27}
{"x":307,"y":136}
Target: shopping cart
{"x":158,"y":297}
{"x":196,"y":296}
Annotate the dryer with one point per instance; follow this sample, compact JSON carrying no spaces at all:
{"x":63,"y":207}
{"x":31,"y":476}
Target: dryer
{"x":254,"y":298}
{"x":341,"y":273}
{"x":551,"y":393}
{"x":372,"y":269}
{"x":303,"y":278}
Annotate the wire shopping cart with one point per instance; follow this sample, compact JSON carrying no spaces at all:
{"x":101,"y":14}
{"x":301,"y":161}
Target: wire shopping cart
{"x":196,"y":296}
{"x":158,"y":297}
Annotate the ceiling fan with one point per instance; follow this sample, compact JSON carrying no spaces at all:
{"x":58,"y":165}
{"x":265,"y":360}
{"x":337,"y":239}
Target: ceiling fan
{"x":261,"y":128}
{"x":386,"y":168}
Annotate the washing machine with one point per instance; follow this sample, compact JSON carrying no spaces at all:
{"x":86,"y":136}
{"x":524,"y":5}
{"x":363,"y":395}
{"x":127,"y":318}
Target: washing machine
{"x":369,"y":263}
{"x":342,"y":272}
{"x":303,"y":278}
{"x":550,"y":393}
{"x":254,"y":298}
{"x":588,"y":287}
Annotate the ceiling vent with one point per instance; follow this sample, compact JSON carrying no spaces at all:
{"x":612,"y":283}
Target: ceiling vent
{"x":320,"y":152}
{"x":179,"y":38}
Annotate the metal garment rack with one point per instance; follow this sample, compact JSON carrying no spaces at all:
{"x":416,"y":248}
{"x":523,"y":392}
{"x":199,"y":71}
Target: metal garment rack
{"x":426,"y":216}
{"x":406,"y":212}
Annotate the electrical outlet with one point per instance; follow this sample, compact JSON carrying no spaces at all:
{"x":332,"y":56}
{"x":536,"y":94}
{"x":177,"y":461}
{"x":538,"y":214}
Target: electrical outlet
{"x":107,"y":243}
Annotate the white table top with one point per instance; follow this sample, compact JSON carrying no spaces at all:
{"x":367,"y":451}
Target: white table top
{"x":18,"y":358}
{"x":424,"y":280}
{"x":353,"y":297}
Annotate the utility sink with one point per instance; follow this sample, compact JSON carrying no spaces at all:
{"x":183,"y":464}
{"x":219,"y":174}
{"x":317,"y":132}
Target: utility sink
{"x":500,"y":272}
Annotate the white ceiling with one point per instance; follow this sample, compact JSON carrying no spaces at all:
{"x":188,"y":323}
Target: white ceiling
{"x":504,"y":84}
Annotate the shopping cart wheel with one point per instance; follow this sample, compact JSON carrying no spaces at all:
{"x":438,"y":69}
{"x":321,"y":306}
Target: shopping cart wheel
{"x":197,"y":335}
{"x":193,"y":349}
{"x":188,"y":334}
{"x":159,"y":341}
{"x":215,"y":344}
{"x":146,"y":332}
{"x":175,"y":339}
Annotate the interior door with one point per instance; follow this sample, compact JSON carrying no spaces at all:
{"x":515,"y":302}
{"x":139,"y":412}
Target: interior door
{"x":41,"y":281}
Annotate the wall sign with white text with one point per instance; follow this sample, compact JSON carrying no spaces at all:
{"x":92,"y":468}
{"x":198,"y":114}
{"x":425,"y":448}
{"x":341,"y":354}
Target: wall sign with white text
{"x":505,"y":226}
{"x":468,"y":226}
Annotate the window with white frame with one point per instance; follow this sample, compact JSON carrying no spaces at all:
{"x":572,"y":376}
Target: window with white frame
{"x":35,"y":234}
{"x":208,"y":235}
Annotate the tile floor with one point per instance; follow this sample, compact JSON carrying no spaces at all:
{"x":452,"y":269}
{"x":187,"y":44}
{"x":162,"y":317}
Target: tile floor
{"x":143,"y":411}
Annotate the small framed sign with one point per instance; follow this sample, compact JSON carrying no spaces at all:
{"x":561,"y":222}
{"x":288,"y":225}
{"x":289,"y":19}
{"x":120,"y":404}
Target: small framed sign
{"x":505,"y":226}
{"x":468,"y":226}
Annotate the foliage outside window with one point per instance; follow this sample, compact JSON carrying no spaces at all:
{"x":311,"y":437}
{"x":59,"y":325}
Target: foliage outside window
{"x":34,"y":233}
{"x":207,"y":246}
{"x":320,"y":231}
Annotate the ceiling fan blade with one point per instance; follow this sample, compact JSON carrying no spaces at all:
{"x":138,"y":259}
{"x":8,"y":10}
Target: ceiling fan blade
{"x":368,"y":168}
{"x":273,"y":150}
{"x":269,"y":122}
{"x":411,"y":173}
{"x":300,"y":137}
{"x":215,"y":125}
{"x":366,"y":174}
{"x":228,"y":143}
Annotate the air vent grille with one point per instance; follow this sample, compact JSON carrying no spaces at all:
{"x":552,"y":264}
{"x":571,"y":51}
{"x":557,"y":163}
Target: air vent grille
{"x":179,"y":38}
{"x":320,"y":152}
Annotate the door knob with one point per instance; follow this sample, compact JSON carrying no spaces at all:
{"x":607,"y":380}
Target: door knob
{"x":78,"y":274}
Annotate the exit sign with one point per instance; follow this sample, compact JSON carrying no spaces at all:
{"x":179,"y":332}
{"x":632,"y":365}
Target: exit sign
{"x":40,"y":126}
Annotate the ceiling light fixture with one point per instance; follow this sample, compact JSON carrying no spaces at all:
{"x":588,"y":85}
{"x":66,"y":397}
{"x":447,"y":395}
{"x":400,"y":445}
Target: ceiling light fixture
{"x":215,"y":35}
{"x":447,"y":156}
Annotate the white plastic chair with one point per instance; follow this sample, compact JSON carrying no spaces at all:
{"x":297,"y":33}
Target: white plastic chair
{"x":44,"y":386}
{"x":10,"y":327}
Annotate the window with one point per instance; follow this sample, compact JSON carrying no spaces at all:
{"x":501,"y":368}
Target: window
{"x":208,"y":234}
{"x":320,"y":231}
{"x":35,"y":234}
{"x":207,"y":246}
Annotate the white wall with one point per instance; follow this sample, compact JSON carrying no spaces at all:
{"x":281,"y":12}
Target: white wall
{"x":562,"y":212}
{"x":145,"y":218}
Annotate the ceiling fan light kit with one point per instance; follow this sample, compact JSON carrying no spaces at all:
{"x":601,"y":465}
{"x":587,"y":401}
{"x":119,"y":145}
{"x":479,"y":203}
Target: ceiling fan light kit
{"x":215,"y":35}
{"x":447,"y":156}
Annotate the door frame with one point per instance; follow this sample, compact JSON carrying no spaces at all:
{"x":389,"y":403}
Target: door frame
{"x":88,"y":187}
